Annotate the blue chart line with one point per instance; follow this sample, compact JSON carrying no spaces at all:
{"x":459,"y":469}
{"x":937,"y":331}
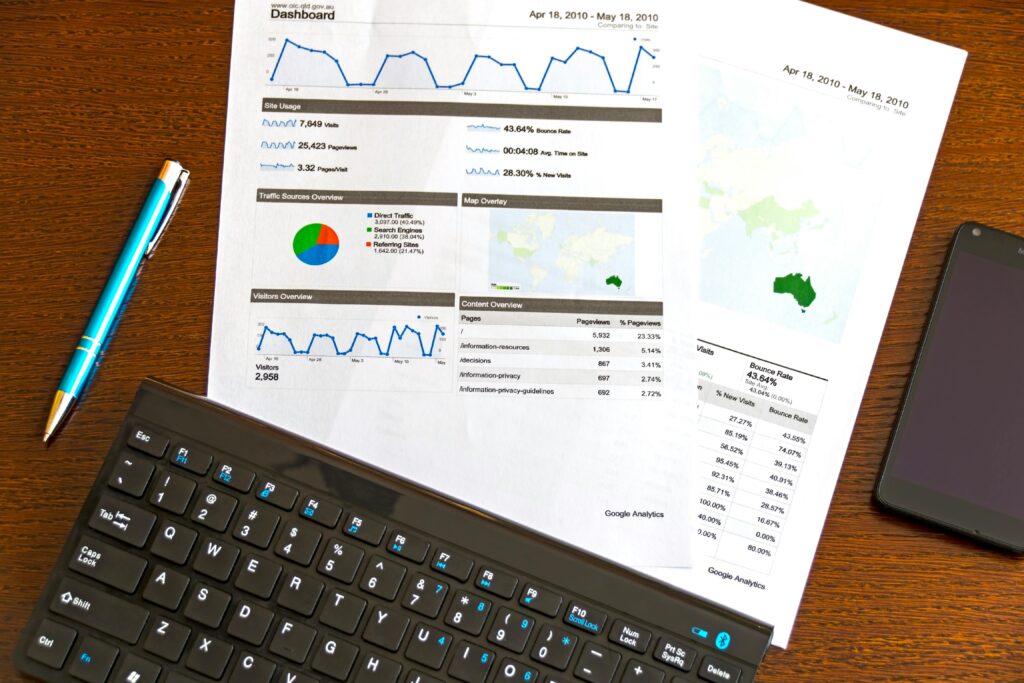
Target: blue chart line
{"x":483,"y":127}
{"x":482,"y":150}
{"x":276,"y":167}
{"x":383,"y":352}
{"x":289,"y":123}
{"x":640,"y":52}
{"x":483,"y":171}
{"x":277,"y":145}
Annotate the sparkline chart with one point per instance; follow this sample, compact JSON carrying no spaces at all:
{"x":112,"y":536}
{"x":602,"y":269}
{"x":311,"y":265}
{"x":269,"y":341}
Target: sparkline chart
{"x":361,"y":344}
{"x":622,"y":67}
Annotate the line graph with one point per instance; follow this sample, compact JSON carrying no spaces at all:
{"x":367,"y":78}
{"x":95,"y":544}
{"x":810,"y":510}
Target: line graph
{"x":605,"y":82}
{"x":482,"y":150}
{"x":276,"y":167}
{"x":483,"y":171}
{"x":277,"y":145}
{"x":483,"y":128}
{"x":396,"y":335}
{"x":285,"y":123}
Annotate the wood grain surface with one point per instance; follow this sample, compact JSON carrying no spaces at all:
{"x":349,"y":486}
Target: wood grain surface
{"x":97,"y":93}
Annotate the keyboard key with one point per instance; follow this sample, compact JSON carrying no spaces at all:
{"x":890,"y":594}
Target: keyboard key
{"x":540,"y":600}
{"x":51,"y":643}
{"x":277,"y":494}
{"x":131,"y":475}
{"x":207,"y":605}
{"x":292,"y":640}
{"x":209,"y":656}
{"x":386,"y":628}
{"x":717,"y":671}
{"x":122,"y":521}
{"x":136,"y":670}
{"x":382,"y":577}
{"x":165,"y":588}
{"x":99,"y":609}
{"x":258,"y":576}
{"x":425,"y":595}
{"x":554,"y":647}
{"x":188,"y":458}
{"x":257,"y":525}
{"x":340,"y":561}
{"x":213,"y":509}
{"x":511,"y":630}
{"x":238,"y":478}
{"x":597,"y":664}
{"x":367,"y":530}
{"x":215,"y":558}
{"x":167,"y":639}
{"x":172,"y":493}
{"x":174,"y":542}
{"x":147,"y":441}
{"x":515,"y":672}
{"x":468,"y":612}
{"x":409,"y":547}
{"x":428,"y":646}
{"x":291,"y":676}
{"x":638,"y":672}
{"x":320,"y":511}
{"x":252,"y":669}
{"x":630,"y":636}
{"x":342,"y":611}
{"x":93,"y":661}
{"x":298,"y":543}
{"x":377,"y":669}
{"x":250,"y":623}
{"x":675,"y":654}
{"x":497,"y":582}
{"x":300,"y":593}
{"x":471,"y":663}
{"x":107,"y":564}
{"x":175,"y":677}
{"x":420,"y":677}
{"x":452,"y":564}
{"x":585,"y":618}
{"x":335,"y":658}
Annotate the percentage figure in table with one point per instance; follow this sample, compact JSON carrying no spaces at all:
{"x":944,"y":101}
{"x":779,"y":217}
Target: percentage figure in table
{"x":769,"y":522}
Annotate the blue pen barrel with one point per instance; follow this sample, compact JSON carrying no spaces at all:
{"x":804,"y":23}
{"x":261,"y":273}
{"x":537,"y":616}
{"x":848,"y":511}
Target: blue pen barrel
{"x":120,"y":284}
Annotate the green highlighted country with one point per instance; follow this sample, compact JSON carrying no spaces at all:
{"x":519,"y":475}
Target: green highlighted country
{"x":614,"y":280}
{"x":799,"y":287}
{"x":768,"y":213}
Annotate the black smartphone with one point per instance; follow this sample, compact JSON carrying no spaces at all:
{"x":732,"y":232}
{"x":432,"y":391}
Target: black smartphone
{"x":956,"y":457}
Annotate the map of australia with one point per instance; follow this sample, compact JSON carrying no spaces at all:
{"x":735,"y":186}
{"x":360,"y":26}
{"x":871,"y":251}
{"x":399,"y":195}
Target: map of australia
{"x":562,"y":252}
{"x":782,"y":238}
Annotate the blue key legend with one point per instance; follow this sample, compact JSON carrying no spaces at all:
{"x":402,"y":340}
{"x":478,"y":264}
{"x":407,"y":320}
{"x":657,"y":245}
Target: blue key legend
{"x":699,"y":632}
{"x":722,"y":640}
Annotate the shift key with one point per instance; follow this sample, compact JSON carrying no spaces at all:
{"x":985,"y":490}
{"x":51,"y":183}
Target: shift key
{"x":100,"y":610}
{"x":122,"y":521}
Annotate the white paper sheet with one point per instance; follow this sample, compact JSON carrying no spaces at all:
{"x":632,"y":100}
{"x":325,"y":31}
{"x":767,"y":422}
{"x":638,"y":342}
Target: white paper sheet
{"x":817,"y":136}
{"x":447,"y":248}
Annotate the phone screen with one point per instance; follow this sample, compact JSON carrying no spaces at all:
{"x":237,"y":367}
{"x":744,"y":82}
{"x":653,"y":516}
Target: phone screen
{"x":961,"y":432}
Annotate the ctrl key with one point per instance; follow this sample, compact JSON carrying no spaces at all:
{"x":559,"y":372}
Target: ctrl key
{"x":51,"y":643}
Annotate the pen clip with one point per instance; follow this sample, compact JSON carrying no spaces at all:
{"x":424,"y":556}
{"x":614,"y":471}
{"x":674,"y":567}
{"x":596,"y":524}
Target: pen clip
{"x":172,"y":205}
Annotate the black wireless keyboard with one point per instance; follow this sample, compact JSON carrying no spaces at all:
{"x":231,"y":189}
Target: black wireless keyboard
{"x":215,"y":547}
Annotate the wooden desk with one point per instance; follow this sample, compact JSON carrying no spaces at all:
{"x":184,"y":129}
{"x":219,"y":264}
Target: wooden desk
{"x":86,"y":118}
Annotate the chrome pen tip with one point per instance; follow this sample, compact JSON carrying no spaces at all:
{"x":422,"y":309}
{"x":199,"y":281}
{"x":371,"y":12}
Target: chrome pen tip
{"x":62,"y":403}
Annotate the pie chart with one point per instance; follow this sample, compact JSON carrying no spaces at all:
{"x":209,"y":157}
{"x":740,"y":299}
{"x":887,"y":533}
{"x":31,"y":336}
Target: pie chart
{"x":315,"y":244}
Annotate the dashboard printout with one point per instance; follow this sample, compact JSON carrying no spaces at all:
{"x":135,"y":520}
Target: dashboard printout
{"x":816,"y":140}
{"x":445,"y":248}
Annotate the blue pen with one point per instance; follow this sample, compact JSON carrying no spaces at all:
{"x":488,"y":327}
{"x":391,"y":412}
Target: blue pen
{"x":149,"y":228}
